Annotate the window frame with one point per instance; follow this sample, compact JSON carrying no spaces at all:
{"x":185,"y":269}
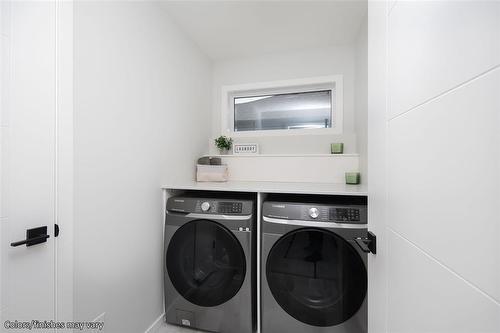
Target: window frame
{"x":333,"y":83}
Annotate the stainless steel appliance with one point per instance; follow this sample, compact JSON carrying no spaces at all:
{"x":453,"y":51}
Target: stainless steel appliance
{"x":209,"y":263}
{"x":314,"y":266}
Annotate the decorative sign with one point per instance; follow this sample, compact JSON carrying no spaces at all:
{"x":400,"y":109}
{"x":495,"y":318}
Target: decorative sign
{"x":245,"y":148}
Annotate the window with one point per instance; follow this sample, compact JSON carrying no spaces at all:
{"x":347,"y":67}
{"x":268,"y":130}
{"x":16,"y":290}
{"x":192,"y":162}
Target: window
{"x":306,"y":106}
{"x":312,"y":109}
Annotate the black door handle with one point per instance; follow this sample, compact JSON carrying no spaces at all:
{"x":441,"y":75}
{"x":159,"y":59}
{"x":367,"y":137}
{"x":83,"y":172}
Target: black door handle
{"x":368,"y":244}
{"x":33,"y":236}
{"x":361,"y":243}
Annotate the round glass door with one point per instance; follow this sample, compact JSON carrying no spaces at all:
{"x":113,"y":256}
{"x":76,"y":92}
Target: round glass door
{"x":316,"y":276}
{"x":205,"y":263}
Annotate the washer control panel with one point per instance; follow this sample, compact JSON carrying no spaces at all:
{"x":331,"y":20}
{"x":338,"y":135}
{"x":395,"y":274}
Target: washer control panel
{"x":219,"y":207}
{"x":210,"y":206}
{"x":316,"y":212}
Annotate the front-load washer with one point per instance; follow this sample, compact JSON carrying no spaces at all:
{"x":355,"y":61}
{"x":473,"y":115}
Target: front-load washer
{"x":314,"y":274}
{"x":209,"y":258}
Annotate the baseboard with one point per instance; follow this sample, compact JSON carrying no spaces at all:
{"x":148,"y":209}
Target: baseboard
{"x":155,"y":326}
{"x":101,"y":317}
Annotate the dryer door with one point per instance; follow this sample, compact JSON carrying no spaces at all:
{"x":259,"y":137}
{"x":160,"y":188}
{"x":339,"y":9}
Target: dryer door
{"x":316,"y":276}
{"x":205,"y":263}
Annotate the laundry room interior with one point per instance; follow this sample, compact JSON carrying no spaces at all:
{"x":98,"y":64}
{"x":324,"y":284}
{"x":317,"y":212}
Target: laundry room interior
{"x":250,"y":166}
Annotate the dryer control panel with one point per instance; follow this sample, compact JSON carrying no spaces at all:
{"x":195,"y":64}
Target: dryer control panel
{"x":316,"y":212}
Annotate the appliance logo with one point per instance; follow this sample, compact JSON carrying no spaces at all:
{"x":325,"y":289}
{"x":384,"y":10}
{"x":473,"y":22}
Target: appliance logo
{"x":278,"y":206}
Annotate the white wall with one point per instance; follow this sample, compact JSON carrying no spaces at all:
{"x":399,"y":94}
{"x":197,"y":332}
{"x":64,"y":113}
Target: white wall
{"x":361,"y":99}
{"x":142,"y":96}
{"x":291,"y":65}
{"x":329,"y":168}
{"x":442,"y":126}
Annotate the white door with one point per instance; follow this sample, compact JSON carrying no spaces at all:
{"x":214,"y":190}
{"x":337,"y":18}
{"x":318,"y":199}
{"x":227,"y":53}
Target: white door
{"x":28,"y":160}
{"x":434,"y":160}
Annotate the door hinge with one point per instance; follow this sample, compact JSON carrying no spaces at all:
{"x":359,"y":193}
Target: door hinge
{"x":56,"y":230}
{"x":367,"y":244}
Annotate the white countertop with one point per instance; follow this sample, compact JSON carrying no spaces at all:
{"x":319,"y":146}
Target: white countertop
{"x":272,"y":187}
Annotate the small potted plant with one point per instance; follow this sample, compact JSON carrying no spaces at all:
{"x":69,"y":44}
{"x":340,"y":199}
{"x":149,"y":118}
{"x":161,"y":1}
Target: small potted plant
{"x":223,"y":143}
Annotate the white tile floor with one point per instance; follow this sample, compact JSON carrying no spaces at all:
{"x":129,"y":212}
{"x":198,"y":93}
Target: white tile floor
{"x":166,"y":328}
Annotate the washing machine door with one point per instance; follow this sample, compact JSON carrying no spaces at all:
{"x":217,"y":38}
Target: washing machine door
{"x":205,"y":263}
{"x":316,"y":276}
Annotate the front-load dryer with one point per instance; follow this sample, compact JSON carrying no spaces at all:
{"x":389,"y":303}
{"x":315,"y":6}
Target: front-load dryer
{"x":314,"y":275}
{"x":209,"y":274}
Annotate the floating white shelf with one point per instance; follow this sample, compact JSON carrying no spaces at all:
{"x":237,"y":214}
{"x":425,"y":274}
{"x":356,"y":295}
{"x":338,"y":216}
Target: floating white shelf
{"x":284,"y":155}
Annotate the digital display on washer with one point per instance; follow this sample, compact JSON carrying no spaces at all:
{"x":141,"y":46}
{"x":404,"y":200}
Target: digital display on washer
{"x":230,"y":207}
{"x":344,"y":214}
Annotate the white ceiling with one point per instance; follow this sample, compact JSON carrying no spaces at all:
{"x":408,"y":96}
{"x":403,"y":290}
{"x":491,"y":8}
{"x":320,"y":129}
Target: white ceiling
{"x":230,"y":29}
